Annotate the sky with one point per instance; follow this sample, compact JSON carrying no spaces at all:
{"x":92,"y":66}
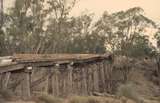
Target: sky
{"x":151,"y":7}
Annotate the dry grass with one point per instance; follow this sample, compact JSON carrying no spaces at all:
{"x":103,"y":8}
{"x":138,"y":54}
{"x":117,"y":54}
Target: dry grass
{"x":94,"y":99}
{"x":2,"y":101}
{"x":80,"y":99}
{"x":76,"y":99}
{"x":5,"y":94}
{"x":128,"y":90}
{"x":48,"y":99}
{"x":18,"y":102}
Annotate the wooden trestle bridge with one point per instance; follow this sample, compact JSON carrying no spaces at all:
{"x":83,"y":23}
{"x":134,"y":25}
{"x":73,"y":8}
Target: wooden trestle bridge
{"x":58,"y":74}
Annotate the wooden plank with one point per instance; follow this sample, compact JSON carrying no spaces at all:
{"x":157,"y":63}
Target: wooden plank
{"x":52,"y":59}
{"x":56,"y":57}
{"x":11,"y":67}
{"x":5,"y":57}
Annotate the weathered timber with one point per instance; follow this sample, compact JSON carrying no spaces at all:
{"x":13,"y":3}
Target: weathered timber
{"x":108,"y":77}
{"x":54,"y":82}
{"x":70,"y":80}
{"x":90,"y":80}
{"x":32,"y":58}
{"x":26,"y":91}
{"x":49,"y":83}
{"x":57,"y":82}
{"x":158,"y":69}
{"x":102,"y":81}
{"x":11,"y":67}
{"x":6,"y":80}
{"x":95,"y":78}
{"x":84,"y":81}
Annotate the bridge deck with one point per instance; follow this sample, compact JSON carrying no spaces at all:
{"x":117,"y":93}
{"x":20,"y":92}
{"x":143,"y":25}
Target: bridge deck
{"x":18,"y":61}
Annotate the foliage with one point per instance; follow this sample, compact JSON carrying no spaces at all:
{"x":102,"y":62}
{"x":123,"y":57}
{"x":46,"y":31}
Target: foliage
{"x":157,"y":36}
{"x":26,"y":29}
{"x":79,"y":37}
{"x":87,"y":44}
{"x":32,"y":27}
{"x":125,"y":31}
{"x":139,"y":47}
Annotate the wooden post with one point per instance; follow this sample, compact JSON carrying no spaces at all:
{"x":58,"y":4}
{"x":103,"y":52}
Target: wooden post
{"x":107,"y":72}
{"x":158,"y":70}
{"x":6,"y":80}
{"x":70,"y":81}
{"x":57,"y":73}
{"x":79,"y":81}
{"x":102,"y":76}
{"x":95,"y":78}
{"x":49,"y":81}
{"x":74,"y":81}
{"x":84,"y":81}
{"x":46,"y":85}
{"x":64,"y":82}
{"x":1,"y":79}
{"x":90,"y":81}
{"x":26,"y":90}
{"x":54,"y":82}
{"x":107,"y":75}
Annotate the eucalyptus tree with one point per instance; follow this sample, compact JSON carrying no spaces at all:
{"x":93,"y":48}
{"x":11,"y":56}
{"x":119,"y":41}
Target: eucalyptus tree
{"x":122,"y":29}
{"x":1,"y":13}
{"x":157,"y":36}
{"x":59,"y":25}
{"x":83,"y":38}
{"x":27,"y":28}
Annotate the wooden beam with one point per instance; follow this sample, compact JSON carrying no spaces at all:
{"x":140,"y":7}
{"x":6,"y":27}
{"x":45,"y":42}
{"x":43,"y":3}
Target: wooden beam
{"x":11,"y":67}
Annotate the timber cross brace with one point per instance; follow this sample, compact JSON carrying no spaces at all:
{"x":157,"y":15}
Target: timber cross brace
{"x":59,"y":74}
